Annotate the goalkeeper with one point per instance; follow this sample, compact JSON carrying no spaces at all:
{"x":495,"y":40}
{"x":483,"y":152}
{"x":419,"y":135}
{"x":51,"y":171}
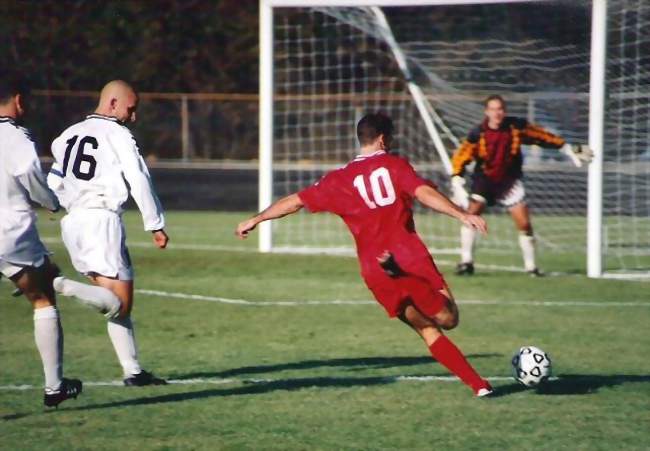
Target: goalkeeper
{"x":495,"y":146}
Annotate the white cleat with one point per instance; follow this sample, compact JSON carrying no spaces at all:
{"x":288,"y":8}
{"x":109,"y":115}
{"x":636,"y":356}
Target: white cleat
{"x":483,"y":392}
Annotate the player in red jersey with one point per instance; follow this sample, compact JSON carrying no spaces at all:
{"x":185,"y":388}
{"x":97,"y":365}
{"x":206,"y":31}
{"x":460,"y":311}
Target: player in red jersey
{"x":374,"y":195}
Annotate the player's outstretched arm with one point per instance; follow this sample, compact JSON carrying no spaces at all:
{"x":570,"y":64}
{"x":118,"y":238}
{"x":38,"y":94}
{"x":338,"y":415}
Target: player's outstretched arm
{"x":283,"y":207}
{"x":437,"y":201}
{"x":578,"y":153}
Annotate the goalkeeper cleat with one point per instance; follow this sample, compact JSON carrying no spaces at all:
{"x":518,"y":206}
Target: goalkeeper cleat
{"x":143,"y":378}
{"x":17,"y":293}
{"x":465,"y":269}
{"x":389,"y":265}
{"x":70,"y":388}
{"x":536,"y":273}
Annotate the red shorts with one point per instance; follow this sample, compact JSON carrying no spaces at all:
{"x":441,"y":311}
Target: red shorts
{"x":421,"y":285}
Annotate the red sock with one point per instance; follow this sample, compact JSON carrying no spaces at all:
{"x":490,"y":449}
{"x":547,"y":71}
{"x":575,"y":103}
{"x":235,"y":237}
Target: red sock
{"x":445,"y":352}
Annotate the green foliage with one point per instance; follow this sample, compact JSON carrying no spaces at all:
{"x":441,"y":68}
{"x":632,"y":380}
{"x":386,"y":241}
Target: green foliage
{"x":163,"y":45}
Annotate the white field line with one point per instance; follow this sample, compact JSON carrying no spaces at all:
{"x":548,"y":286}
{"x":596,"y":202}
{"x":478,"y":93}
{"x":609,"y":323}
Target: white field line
{"x":174,"y":246}
{"x":298,"y":303}
{"x":339,"y":252}
{"x":224,"y":381}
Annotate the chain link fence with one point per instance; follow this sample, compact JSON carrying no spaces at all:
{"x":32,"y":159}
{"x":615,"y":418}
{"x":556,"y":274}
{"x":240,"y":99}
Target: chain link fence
{"x":170,"y":126}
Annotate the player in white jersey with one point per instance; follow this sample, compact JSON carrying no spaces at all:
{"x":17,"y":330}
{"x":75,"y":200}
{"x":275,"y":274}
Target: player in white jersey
{"x":23,"y":257}
{"x":94,"y":161}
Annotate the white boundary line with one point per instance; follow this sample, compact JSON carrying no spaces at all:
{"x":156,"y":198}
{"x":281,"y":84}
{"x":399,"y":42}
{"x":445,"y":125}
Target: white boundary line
{"x":299,"y":303}
{"x":220,"y":381}
{"x":173,"y":246}
{"x":337,"y":252}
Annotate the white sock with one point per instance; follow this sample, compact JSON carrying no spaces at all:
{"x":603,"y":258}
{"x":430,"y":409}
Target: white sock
{"x":49,"y":341}
{"x":99,"y":298}
{"x":467,"y":239}
{"x":527,"y":245}
{"x":123,"y":338}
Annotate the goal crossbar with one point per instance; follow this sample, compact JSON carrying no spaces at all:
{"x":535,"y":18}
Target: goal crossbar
{"x":344,"y":3}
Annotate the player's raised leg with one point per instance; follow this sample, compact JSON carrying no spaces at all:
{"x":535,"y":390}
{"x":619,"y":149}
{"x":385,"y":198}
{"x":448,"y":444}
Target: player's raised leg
{"x":36,"y":285}
{"x":442,"y":348}
{"x":521,"y":216}
{"x":468,"y":240}
{"x":96,"y":297}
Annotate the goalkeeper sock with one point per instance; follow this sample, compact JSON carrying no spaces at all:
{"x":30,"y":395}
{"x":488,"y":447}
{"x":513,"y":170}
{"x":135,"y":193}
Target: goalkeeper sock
{"x":527,"y":245}
{"x":446,"y":352}
{"x":99,"y":298}
{"x":467,"y":238}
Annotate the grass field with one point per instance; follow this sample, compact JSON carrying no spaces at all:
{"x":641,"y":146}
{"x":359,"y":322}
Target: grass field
{"x":274,"y":375}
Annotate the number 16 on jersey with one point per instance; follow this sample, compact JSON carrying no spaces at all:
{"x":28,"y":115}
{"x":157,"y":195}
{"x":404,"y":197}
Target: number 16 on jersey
{"x":81,"y":157}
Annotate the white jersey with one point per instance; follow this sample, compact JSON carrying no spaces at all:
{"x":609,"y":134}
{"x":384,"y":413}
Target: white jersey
{"x":21,"y":180}
{"x":94,"y":161}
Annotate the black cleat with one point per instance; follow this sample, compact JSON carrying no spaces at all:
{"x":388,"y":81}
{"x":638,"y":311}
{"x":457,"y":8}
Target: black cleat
{"x":70,"y":388}
{"x":389,"y":265}
{"x":17,"y":293}
{"x":535,"y":273}
{"x":465,"y":269}
{"x":143,"y":378}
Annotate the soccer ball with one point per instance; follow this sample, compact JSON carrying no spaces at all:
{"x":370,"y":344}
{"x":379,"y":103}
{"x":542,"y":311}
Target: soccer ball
{"x":531,"y":366}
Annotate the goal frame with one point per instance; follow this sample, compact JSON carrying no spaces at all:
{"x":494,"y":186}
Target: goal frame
{"x":597,"y":80}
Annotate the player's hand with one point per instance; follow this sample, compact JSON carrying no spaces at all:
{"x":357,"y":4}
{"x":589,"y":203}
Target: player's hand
{"x":579,"y":153}
{"x":160,"y":238}
{"x":245,"y":227}
{"x":459,"y":194}
{"x":475,"y":222}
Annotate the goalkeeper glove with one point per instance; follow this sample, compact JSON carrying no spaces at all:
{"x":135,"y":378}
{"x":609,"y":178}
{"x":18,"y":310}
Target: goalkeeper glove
{"x":459,"y":194}
{"x":578,"y":153}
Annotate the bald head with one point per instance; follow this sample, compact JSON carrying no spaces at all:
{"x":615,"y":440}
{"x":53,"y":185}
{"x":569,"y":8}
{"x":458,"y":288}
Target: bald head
{"x":119,"y":100}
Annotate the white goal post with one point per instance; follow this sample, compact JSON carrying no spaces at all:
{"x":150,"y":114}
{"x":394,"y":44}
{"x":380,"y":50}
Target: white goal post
{"x":440,"y":116}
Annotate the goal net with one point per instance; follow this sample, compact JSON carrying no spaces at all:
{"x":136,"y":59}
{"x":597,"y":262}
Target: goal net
{"x":429,"y":68}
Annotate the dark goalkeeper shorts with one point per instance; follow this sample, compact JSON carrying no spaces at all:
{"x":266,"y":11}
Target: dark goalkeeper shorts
{"x":507,"y":193}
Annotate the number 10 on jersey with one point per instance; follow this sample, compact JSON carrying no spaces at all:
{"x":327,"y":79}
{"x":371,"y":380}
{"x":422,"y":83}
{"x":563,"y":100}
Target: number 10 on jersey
{"x":381,"y":186}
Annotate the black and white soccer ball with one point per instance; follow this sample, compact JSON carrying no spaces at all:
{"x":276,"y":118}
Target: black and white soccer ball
{"x":531,"y":366}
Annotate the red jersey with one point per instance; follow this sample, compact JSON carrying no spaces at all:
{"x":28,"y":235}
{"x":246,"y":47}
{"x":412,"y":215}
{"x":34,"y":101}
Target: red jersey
{"x":373,"y":194}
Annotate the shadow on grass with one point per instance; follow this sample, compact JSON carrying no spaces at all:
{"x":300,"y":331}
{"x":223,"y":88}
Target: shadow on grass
{"x":250,"y":388}
{"x":565,"y":385}
{"x":573,"y":384}
{"x":14,"y":416}
{"x":352,"y":364}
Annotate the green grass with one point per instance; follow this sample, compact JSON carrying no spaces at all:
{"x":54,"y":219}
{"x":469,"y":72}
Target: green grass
{"x":325,"y":371}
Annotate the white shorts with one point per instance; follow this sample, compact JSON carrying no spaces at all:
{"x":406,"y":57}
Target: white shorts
{"x":96,"y":242}
{"x":9,"y":269}
{"x":20,"y":245}
{"x":513,"y":196}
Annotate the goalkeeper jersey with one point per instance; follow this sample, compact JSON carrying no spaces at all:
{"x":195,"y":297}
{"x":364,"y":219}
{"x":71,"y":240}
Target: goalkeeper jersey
{"x":373,"y":194}
{"x":497,"y":152}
